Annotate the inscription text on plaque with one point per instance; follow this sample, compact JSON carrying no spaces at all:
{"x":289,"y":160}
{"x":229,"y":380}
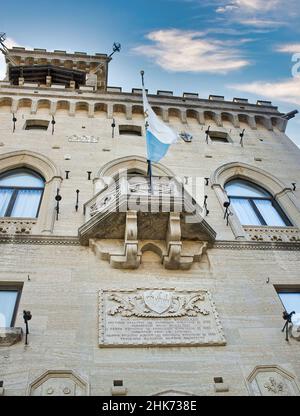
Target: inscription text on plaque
{"x":158,"y":317}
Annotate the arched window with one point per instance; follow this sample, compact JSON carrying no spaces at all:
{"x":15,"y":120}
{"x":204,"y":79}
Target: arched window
{"x":255,"y":206}
{"x":20,"y":193}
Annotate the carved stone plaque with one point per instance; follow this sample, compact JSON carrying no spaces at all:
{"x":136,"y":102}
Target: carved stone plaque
{"x":272,"y":381}
{"x":83,"y":139}
{"x":58,"y":383}
{"x":158,"y":317}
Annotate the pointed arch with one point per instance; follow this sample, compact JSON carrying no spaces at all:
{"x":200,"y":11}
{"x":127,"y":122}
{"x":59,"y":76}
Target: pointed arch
{"x":31,"y":160}
{"x":136,"y":163}
{"x":49,"y":171}
{"x":282,"y":194}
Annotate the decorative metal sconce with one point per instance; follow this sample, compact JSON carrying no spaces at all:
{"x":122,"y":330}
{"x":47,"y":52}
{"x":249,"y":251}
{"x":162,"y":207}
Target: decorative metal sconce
{"x":14,"y":120}
{"x":288,"y":318}
{"x":294,"y":186}
{"x":227,"y":212}
{"x":57,"y":199}
{"x":186,"y":137}
{"x":77,"y":199}
{"x":53,"y":124}
{"x":67,"y":174}
{"x":113,"y":125}
{"x":205,"y":205}
{"x":89,"y":175}
{"x":207,"y":134}
{"x":242,"y":137}
{"x":206,"y":181}
{"x":26,"y":316}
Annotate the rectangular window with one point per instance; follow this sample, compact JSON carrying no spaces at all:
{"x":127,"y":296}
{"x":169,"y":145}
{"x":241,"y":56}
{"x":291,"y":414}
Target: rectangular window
{"x":125,"y":129}
{"x":219,"y":137}
{"x":290,"y":299}
{"x":9,"y":300}
{"x":36,"y":125}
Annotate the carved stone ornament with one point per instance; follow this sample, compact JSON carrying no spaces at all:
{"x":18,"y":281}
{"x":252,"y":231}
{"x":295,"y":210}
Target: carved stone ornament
{"x":272,"y":381}
{"x":158,"y":317}
{"x":273,"y":234}
{"x":158,"y":303}
{"x":58,"y":383}
{"x":83,"y":139}
{"x":172,"y":253}
{"x":10,"y":336}
{"x":16,"y":226}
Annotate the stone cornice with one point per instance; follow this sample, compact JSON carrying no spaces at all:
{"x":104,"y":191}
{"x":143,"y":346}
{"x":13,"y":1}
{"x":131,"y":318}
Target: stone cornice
{"x":50,"y":240}
{"x":256,"y":245}
{"x":134,"y":98}
{"x":220,"y":244}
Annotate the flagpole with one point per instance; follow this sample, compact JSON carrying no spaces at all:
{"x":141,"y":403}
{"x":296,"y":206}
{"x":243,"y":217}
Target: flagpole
{"x":149,"y":169}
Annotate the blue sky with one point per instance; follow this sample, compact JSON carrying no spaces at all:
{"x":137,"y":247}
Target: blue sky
{"x":234,"y":48}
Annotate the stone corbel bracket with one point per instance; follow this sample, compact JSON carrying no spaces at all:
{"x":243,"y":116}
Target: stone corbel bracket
{"x":129,"y":257}
{"x":10,"y":336}
{"x":175,"y":259}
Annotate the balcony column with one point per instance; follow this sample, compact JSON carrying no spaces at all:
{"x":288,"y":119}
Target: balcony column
{"x":201,"y":118}
{"x":91,"y":110}
{"x":72,"y":109}
{"x":53,"y":108}
{"x":128,"y":112}
{"x":165,"y":115}
{"x":33,"y":109}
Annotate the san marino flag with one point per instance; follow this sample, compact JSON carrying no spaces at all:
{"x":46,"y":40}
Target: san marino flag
{"x":158,"y":135}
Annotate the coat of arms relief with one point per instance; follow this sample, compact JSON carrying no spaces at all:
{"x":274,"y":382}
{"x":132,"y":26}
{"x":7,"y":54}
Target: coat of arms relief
{"x":158,"y":304}
{"x":158,"y":317}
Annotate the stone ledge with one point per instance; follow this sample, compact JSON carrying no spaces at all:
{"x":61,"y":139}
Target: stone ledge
{"x":16,"y":226}
{"x":219,"y":244}
{"x":40,"y":240}
{"x":10,"y":336}
{"x":273,"y":234}
{"x":256,"y":245}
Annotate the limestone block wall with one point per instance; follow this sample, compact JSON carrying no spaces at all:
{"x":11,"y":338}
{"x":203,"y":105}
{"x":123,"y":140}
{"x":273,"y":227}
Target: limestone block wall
{"x":64,"y":277}
{"x":62,"y":295}
{"x":265,"y":146}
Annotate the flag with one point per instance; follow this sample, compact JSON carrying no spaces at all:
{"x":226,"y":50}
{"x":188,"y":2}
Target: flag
{"x":158,"y":135}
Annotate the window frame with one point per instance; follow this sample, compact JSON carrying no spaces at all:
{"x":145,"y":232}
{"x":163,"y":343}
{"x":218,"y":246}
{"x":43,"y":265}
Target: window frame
{"x":256,"y":210}
{"x":36,"y":124}
{"x":286,"y":289}
{"x":217,"y":136}
{"x":16,"y":189}
{"x":8,"y":287}
{"x":130,"y":130}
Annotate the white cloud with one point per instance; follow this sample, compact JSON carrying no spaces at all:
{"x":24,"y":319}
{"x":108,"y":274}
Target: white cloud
{"x":289,"y":48}
{"x":260,"y":13}
{"x":187,"y":51}
{"x":249,"y":5}
{"x":226,"y":8}
{"x":262,"y":23}
{"x":9,"y":42}
{"x":285,"y":90}
{"x":261,"y":5}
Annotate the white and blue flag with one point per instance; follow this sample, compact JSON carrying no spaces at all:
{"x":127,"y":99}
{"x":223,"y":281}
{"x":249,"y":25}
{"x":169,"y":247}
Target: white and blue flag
{"x":158,"y":135}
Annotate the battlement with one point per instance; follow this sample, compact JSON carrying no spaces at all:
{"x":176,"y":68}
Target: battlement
{"x":58,"y":67}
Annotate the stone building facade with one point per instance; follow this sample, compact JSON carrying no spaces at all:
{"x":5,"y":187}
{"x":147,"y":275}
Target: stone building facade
{"x":127,"y":301}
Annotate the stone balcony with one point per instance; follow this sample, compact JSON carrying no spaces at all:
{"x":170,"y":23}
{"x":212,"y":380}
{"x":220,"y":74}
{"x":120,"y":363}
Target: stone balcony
{"x":136,"y":213}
